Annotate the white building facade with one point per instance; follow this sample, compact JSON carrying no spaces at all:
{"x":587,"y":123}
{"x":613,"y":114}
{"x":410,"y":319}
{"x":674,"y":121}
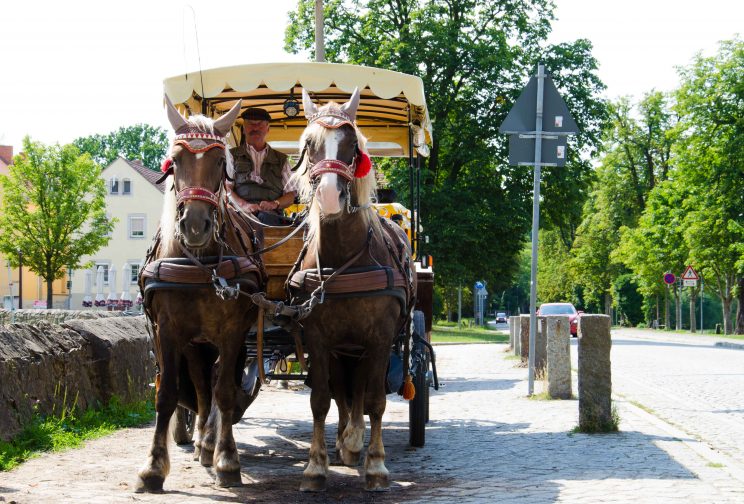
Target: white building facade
{"x":136,"y":202}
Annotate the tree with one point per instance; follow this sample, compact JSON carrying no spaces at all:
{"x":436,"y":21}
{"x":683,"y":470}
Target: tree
{"x":710,"y":103}
{"x":142,"y":142}
{"x":53,"y":210}
{"x":474,"y":58}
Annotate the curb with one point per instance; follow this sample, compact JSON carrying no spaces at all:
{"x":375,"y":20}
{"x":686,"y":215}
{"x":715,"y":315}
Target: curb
{"x":727,"y":344}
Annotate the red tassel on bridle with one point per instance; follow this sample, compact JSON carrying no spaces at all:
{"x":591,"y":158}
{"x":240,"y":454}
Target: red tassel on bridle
{"x":363,"y":165}
{"x":166,"y":165}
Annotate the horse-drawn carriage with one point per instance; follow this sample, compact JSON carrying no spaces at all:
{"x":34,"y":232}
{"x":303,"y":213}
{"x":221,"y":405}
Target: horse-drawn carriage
{"x":340,"y":298}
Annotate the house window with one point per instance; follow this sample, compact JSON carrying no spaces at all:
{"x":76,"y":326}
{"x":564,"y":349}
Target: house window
{"x":114,"y":185}
{"x":105,"y":267}
{"x":133,"y":272}
{"x":126,"y":186}
{"x":137,"y":226}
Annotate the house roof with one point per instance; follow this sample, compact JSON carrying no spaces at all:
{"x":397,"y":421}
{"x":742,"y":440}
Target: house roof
{"x":150,"y":175}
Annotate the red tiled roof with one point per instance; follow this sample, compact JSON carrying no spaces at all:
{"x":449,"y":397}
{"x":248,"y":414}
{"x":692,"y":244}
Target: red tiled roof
{"x":149,"y":174}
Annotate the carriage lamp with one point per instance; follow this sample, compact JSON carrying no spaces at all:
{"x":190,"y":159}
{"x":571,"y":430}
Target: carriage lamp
{"x":291,"y":106}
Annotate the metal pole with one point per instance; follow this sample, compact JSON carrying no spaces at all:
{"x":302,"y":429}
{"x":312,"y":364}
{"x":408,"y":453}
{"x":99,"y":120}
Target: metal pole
{"x":702,"y":288}
{"x":459,"y":307}
{"x":20,"y":279}
{"x":535,"y":225}
{"x":319,"y":41}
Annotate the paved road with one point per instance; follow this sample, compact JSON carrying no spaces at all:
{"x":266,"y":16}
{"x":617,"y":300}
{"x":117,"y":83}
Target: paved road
{"x":486,"y":442}
{"x":685,"y":380}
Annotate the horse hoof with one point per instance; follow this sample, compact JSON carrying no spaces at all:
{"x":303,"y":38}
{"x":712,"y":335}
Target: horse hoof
{"x":349,"y":458}
{"x":197,"y":453}
{"x":376,"y":482}
{"x":205,"y":457}
{"x":149,"y":484}
{"x":313,"y":484}
{"x":227,"y":479}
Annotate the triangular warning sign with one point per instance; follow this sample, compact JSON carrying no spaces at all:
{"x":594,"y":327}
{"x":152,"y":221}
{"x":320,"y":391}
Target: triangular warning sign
{"x":556,"y":117}
{"x":690,"y":274}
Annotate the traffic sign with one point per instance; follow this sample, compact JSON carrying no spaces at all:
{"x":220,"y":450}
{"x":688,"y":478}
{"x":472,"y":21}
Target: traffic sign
{"x":669,"y":278}
{"x":689,"y":283}
{"x":556,"y":117}
{"x":690,"y":274}
{"x":522,"y":151}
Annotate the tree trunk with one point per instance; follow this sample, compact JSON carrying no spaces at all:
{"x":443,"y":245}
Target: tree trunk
{"x":677,"y":310}
{"x":608,"y":304}
{"x":667,"y":318}
{"x":740,"y":307}
{"x":726,"y":303}
{"x":693,"y":321}
{"x":50,"y":296}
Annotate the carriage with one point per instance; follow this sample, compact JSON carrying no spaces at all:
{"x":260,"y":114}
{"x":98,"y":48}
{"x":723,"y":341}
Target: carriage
{"x":389,"y":110}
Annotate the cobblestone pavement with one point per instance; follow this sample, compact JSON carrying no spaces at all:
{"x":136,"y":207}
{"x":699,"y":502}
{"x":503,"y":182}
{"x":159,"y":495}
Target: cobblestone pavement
{"x":486,"y":442}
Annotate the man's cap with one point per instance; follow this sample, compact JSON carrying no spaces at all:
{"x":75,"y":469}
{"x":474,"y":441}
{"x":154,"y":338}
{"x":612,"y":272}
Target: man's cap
{"x":255,"y":114}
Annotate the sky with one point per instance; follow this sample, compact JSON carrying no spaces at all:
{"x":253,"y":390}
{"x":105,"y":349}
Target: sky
{"x":76,"y":68}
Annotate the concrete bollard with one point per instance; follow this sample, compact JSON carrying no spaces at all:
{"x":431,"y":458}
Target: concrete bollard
{"x":541,"y":347}
{"x":524,"y":337}
{"x":515,"y":326}
{"x":559,"y":357}
{"x":595,"y":376}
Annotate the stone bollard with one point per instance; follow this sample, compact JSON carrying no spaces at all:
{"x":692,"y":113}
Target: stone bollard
{"x":541,"y":347}
{"x":516,"y":328}
{"x":595,"y":376}
{"x":559,"y":357}
{"x":524,"y":337}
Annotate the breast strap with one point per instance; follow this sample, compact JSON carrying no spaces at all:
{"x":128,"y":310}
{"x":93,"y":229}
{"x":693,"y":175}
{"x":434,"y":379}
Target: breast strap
{"x":181,"y":270}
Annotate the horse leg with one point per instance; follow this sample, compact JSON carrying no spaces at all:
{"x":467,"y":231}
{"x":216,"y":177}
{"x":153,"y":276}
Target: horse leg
{"x":339,"y":394}
{"x":375,"y":473}
{"x":352,"y":440}
{"x":152,"y":474}
{"x":316,"y":472}
{"x":199,"y":377}
{"x":226,"y":460}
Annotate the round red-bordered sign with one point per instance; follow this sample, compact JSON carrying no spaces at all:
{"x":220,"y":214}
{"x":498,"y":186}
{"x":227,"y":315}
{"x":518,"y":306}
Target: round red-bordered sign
{"x":669,"y":278}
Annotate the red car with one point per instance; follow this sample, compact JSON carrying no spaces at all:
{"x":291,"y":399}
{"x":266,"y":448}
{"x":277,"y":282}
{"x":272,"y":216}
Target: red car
{"x":562,"y":309}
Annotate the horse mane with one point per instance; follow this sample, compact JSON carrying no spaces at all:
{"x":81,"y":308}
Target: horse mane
{"x":365,"y":188}
{"x":168,"y":229}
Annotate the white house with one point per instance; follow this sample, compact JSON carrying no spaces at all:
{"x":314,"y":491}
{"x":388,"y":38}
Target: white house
{"x":136,"y":201}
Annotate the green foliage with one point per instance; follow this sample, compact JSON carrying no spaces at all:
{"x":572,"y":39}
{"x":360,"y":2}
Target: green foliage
{"x":70,"y":427}
{"x":627,"y":300}
{"x":474,"y":58}
{"x":143,"y":142}
{"x":54,"y":210}
{"x":554,"y":282}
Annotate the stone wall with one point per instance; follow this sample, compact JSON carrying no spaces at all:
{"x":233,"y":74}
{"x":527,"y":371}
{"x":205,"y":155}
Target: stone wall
{"x":52,"y":316}
{"x":46,"y":367}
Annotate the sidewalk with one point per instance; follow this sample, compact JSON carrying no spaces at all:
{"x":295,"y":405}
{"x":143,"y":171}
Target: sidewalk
{"x":486,"y":442}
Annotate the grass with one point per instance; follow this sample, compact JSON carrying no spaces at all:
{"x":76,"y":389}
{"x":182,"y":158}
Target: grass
{"x":447,"y":332}
{"x":644,"y":408}
{"x":70,"y":428}
{"x":715,"y":465}
{"x":613,"y":425}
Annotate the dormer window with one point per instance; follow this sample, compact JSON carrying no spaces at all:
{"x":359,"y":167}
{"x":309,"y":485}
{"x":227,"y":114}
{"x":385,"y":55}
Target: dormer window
{"x":114,"y":185}
{"x":126,"y":186}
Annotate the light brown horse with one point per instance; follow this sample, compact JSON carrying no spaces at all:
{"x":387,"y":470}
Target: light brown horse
{"x":192,"y":280}
{"x":349,"y":335}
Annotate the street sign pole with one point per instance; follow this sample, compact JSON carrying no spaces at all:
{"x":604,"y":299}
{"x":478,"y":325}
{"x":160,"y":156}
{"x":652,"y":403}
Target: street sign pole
{"x":535,"y":226}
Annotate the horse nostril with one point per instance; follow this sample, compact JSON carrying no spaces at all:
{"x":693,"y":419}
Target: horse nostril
{"x":207,"y":225}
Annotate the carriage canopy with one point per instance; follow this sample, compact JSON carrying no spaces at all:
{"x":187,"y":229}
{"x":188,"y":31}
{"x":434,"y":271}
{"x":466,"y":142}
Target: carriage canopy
{"x":392,"y":105}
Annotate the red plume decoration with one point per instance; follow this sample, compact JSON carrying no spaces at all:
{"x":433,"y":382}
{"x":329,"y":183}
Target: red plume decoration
{"x":166,"y":165}
{"x":363,"y":165}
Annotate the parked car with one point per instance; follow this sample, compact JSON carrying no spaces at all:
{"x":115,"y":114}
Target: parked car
{"x":501,"y":318}
{"x":562,"y":309}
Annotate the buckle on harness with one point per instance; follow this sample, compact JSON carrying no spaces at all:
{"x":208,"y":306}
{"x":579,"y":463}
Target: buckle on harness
{"x":223,"y":289}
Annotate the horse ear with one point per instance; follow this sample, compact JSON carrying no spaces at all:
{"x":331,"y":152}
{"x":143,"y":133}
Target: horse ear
{"x":350,"y":107}
{"x":224,"y":123}
{"x":308,"y":104}
{"x":174,"y":116}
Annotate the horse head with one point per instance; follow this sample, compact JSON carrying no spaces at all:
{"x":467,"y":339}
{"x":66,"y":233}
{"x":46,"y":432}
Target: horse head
{"x":198,"y":161}
{"x":337,"y":176}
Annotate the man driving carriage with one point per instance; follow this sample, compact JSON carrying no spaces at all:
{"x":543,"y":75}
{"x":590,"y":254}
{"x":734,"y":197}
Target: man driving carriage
{"x":260,"y":174}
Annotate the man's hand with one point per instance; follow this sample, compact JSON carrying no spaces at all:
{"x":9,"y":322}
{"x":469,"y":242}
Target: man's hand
{"x":249,"y":207}
{"x":268,"y":206}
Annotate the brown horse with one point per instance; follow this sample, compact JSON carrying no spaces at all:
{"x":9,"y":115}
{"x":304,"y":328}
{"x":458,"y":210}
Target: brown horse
{"x":192,"y":281}
{"x":360,"y":266}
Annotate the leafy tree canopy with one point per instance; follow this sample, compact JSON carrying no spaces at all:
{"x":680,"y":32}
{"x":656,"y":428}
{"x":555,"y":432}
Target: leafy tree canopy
{"x":474,"y":58}
{"x":53,"y":210}
{"x":143,"y":142}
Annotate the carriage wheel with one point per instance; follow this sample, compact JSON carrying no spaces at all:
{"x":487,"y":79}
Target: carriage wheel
{"x":183,"y":428}
{"x":418,"y":407}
